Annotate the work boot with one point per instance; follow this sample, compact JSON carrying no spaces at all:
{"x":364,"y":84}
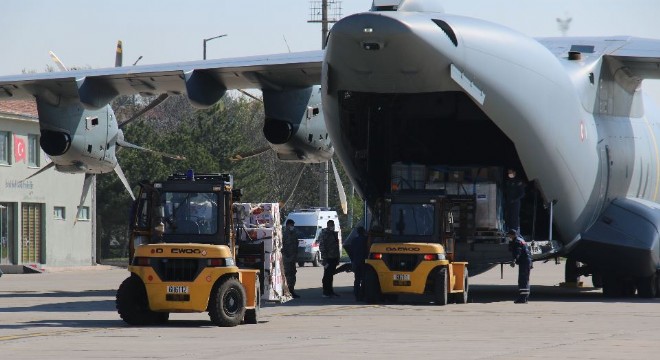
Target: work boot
{"x":521,"y":300}
{"x":293,"y":293}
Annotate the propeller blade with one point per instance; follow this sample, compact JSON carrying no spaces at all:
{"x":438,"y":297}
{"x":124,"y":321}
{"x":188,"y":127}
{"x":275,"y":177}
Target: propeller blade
{"x":89,"y":179}
{"x":249,"y":154}
{"x":295,"y":185}
{"x":249,"y":95}
{"x":57,"y":61}
{"x":119,"y":54}
{"x":151,"y":105}
{"x":126,"y":144}
{"x":124,"y":181}
{"x":340,"y":189}
{"x":52,"y":164}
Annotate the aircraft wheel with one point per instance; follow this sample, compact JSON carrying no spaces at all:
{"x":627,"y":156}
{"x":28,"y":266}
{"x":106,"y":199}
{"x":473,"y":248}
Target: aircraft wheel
{"x":440,"y":293}
{"x":372,"y":293}
{"x":317,"y":260}
{"x":571,"y":271}
{"x":462,"y":298}
{"x":647,"y":286}
{"x":252,"y":315}
{"x":227,"y":303}
{"x":132,"y":303}
{"x":612,"y":286}
{"x":597,"y":280}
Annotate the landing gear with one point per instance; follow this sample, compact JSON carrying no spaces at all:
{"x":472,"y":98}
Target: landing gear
{"x":617,"y":286}
{"x":647,"y":287}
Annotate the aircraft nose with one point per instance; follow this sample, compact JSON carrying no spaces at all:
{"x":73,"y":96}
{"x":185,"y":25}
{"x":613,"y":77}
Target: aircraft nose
{"x":277,"y":131}
{"x":389,"y":53}
{"x":55,"y":143}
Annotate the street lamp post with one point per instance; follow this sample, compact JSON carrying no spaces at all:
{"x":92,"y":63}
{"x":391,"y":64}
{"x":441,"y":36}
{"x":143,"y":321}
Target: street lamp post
{"x":209,"y":39}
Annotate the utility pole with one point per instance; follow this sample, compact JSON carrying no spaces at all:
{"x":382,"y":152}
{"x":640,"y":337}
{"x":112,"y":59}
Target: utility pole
{"x":207,"y":40}
{"x":319,"y":14}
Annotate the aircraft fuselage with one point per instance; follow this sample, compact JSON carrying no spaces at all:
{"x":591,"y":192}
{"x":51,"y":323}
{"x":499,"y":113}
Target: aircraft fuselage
{"x":433,"y":88}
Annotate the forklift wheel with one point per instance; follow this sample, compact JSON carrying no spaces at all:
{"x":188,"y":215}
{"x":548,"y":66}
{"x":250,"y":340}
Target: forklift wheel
{"x":372,"y":293}
{"x":440,"y":287}
{"x":227,"y":303}
{"x":132,"y":303}
{"x":252,"y":315}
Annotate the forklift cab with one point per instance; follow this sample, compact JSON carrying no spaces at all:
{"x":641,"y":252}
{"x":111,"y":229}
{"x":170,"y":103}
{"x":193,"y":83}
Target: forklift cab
{"x":420,"y":218}
{"x":184,"y":210}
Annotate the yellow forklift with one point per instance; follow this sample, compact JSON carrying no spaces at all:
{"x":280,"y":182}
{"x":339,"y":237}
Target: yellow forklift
{"x":414,"y":252}
{"x":182,"y":254}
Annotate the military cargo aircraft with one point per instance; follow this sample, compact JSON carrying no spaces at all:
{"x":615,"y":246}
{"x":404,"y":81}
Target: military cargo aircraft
{"x":406,"y":82}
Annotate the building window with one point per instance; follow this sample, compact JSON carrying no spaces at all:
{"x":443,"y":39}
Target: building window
{"x":4,"y":147}
{"x":83,"y":213}
{"x":59,"y":213}
{"x":33,"y":150}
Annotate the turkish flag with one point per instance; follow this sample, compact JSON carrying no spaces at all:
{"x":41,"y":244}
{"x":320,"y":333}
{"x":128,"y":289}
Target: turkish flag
{"x":19,"y":149}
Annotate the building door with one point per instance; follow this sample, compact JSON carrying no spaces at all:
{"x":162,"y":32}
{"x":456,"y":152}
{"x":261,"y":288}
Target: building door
{"x":31,"y":233}
{"x":6,"y":233}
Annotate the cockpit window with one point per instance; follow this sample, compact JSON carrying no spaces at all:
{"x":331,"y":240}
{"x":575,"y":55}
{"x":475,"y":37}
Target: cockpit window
{"x":190,"y":213}
{"x":413,"y":219}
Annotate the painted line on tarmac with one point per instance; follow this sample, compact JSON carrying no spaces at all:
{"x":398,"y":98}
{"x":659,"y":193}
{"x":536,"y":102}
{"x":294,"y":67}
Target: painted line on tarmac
{"x":50,"y":333}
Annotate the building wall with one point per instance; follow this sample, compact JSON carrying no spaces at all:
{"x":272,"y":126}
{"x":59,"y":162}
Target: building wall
{"x":64,"y":242}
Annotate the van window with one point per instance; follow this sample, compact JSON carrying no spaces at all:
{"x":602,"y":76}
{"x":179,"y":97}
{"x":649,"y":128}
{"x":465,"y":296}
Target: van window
{"x":306,"y":232}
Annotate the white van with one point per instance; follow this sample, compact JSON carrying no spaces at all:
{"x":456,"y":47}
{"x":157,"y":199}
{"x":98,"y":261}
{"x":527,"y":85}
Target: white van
{"x":309,"y":223}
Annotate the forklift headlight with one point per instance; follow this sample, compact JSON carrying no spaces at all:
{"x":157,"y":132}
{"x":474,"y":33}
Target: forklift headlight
{"x":441,"y":257}
{"x":230,"y":262}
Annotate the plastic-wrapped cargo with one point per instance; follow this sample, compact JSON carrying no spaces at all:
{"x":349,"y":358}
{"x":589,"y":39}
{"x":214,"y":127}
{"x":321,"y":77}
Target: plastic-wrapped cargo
{"x":408,"y":176}
{"x":259,"y":242}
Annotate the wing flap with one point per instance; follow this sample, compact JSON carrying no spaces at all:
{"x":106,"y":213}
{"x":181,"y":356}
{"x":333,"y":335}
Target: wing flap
{"x":272,"y":71}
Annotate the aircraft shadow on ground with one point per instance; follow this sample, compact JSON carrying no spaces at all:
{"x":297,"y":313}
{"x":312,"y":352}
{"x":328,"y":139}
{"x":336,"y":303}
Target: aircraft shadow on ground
{"x":482,"y":294}
{"x":71,"y":306}
{"x":57,"y":294}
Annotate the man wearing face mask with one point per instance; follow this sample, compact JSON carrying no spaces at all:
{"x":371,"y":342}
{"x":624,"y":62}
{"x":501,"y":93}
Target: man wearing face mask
{"x":329,"y":247}
{"x":290,"y":255}
{"x":514,"y":191}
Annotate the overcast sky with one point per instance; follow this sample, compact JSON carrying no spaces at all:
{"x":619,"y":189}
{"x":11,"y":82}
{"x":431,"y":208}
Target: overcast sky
{"x":84,"y":32}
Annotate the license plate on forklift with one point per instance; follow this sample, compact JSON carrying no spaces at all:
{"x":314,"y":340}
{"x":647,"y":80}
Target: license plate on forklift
{"x":401,"y":277}
{"x":402,"y":280}
{"x":177,"y":289}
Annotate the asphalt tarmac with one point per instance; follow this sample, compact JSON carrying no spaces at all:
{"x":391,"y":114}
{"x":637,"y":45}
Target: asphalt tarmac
{"x":70,"y":314}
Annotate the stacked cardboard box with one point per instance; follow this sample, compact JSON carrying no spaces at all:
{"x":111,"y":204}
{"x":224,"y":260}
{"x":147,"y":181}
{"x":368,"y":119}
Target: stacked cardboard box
{"x":260,"y":228}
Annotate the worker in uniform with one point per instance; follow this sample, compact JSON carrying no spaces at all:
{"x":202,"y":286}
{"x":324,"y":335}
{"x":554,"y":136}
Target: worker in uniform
{"x":290,"y":255}
{"x":514,"y":191}
{"x":329,"y":247}
{"x":359,"y":253}
{"x":522,"y":256}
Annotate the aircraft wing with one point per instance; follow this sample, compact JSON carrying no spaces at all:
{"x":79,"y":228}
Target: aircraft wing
{"x":641,"y":56}
{"x":290,"y":70}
